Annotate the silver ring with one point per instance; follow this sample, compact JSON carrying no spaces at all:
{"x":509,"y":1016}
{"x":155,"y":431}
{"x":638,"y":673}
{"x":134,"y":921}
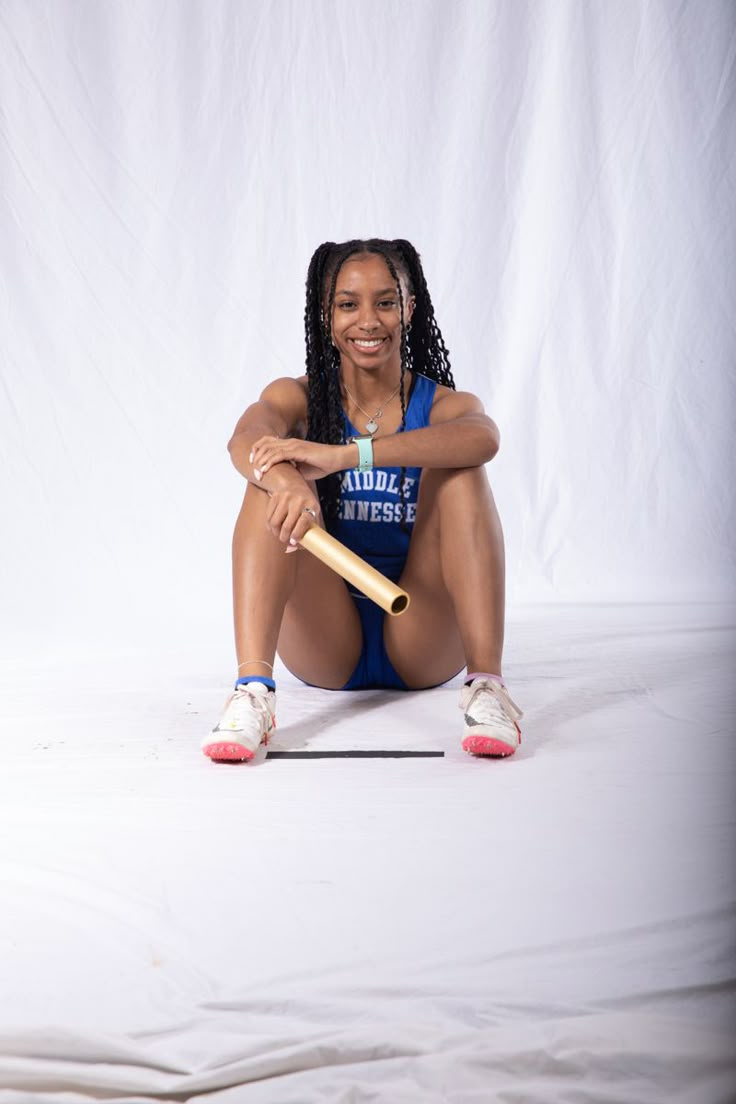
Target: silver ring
{"x":307,"y":510}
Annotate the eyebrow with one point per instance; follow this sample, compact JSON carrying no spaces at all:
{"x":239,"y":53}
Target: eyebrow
{"x":355,"y":294}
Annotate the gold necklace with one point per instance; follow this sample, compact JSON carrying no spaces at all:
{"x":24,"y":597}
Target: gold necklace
{"x":372,"y":424}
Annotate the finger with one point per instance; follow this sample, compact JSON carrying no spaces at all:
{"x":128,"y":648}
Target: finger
{"x":260,"y":465}
{"x":285,"y":519}
{"x":275,"y":516}
{"x":292,"y":526}
{"x":287,"y":528}
{"x":304,"y":523}
{"x":259,"y":448}
{"x":271,"y":455}
{"x":255,"y":460}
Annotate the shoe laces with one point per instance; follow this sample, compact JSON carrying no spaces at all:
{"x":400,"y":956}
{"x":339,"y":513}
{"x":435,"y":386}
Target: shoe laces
{"x":487,"y":698}
{"x":244,"y":702}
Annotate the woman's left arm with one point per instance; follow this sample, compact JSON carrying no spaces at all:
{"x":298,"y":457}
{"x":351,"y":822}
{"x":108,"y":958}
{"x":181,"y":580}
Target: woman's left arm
{"x":459,"y":435}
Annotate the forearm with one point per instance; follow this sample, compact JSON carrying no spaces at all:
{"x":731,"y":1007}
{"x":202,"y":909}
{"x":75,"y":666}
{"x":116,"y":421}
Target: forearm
{"x":466,"y":442}
{"x":278,"y":478}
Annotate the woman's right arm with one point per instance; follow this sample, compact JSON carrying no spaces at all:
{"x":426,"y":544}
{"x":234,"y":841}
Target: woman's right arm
{"x":281,"y":411}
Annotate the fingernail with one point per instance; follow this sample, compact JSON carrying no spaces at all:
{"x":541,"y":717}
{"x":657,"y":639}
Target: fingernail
{"x":257,"y":473}
{"x":292,"y":541}
{"x":250,"y":458}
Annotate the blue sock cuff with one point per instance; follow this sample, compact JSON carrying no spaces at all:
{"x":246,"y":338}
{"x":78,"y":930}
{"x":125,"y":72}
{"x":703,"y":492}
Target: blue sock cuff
{"x":256,"y":678}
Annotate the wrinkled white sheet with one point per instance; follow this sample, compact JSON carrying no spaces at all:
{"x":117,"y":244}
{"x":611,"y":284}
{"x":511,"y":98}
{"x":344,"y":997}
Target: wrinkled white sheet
{"x":555,"y":927}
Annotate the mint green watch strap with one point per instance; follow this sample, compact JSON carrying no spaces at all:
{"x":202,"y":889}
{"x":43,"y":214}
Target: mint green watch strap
{"x":365,"y":453}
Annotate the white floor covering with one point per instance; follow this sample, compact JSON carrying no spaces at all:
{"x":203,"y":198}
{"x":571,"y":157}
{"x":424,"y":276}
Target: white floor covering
{"x":555,"y":927}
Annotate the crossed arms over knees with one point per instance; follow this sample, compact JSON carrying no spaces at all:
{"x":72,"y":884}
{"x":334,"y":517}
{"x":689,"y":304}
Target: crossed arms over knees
{"x":269,"y":449}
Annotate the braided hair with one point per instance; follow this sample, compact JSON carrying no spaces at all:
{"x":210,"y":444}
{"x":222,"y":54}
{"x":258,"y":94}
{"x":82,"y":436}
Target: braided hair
{"x":422,"y":347}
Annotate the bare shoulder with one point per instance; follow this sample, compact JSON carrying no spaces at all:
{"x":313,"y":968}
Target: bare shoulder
{"x":288,"y":396}
{"x":449,"y":404}
{"x":281,"y":408}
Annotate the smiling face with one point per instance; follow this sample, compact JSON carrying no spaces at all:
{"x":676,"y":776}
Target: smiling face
{"x":366,"y":314}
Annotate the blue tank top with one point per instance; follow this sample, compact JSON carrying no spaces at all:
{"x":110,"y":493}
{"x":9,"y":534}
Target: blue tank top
{"x":369,"y":520}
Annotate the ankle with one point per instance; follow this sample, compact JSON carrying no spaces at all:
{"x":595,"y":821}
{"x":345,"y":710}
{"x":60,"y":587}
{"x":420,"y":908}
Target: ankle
{"x":245,"y":679}
{"x":255,"y":670}
{"x":472,"y":675}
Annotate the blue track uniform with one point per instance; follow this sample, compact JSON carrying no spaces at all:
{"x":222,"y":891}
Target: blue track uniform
{"x":369,"y":524}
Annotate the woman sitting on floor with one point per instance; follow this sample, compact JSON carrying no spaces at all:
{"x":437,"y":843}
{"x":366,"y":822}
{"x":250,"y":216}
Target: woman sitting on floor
{"x":375,"y":444}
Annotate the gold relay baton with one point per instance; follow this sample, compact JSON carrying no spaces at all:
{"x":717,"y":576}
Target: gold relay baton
{"x":355,"y":570}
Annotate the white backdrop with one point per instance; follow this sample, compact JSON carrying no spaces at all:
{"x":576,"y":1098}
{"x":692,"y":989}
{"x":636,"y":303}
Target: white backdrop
{"x":566,"y":170}
{"x":441,"y":929}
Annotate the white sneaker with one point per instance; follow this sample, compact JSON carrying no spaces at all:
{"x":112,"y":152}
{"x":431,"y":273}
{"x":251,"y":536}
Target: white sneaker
{"x":490,"y":719}
{"x":246,"y":722}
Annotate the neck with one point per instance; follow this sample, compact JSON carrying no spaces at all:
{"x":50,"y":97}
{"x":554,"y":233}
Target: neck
{"x":371,"y":387}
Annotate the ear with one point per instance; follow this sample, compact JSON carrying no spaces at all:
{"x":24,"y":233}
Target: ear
{"x":411,"y":302}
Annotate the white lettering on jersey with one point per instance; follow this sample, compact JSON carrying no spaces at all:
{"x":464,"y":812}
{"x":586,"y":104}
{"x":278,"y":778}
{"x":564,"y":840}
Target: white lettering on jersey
{"x":365,"y":510}
{"x":377,"y":479}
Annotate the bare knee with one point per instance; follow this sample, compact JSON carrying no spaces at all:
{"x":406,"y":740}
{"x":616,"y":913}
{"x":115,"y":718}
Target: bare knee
{"x":455,"y":479}
{"x":453,"y":489}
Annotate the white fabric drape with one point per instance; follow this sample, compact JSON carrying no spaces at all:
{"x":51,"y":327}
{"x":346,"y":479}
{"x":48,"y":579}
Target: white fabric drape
{"x":566,"y":170}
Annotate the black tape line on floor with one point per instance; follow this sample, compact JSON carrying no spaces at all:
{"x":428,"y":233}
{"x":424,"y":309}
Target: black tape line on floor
{"x":360,"y":753}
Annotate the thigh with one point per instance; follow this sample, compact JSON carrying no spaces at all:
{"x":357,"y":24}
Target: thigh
{"x":321,"y":639}
{"x":424,"y":644}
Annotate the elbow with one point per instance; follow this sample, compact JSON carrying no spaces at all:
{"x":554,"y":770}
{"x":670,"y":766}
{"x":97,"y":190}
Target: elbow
{"x":234,"y":448}
{"x":492,"y":442}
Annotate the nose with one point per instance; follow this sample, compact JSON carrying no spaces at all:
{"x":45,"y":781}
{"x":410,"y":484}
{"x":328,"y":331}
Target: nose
{"x":368,"y":320}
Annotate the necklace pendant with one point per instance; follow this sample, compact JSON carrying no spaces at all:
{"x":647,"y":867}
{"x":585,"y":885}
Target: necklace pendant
{"x":371,"y":427}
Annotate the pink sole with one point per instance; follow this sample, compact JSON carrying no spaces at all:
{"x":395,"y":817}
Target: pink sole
{"x":228,"y":752}
{"x":486,"y":745}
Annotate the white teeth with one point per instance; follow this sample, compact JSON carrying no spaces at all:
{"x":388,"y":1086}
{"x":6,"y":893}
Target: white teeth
{"x":367,"y":344}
